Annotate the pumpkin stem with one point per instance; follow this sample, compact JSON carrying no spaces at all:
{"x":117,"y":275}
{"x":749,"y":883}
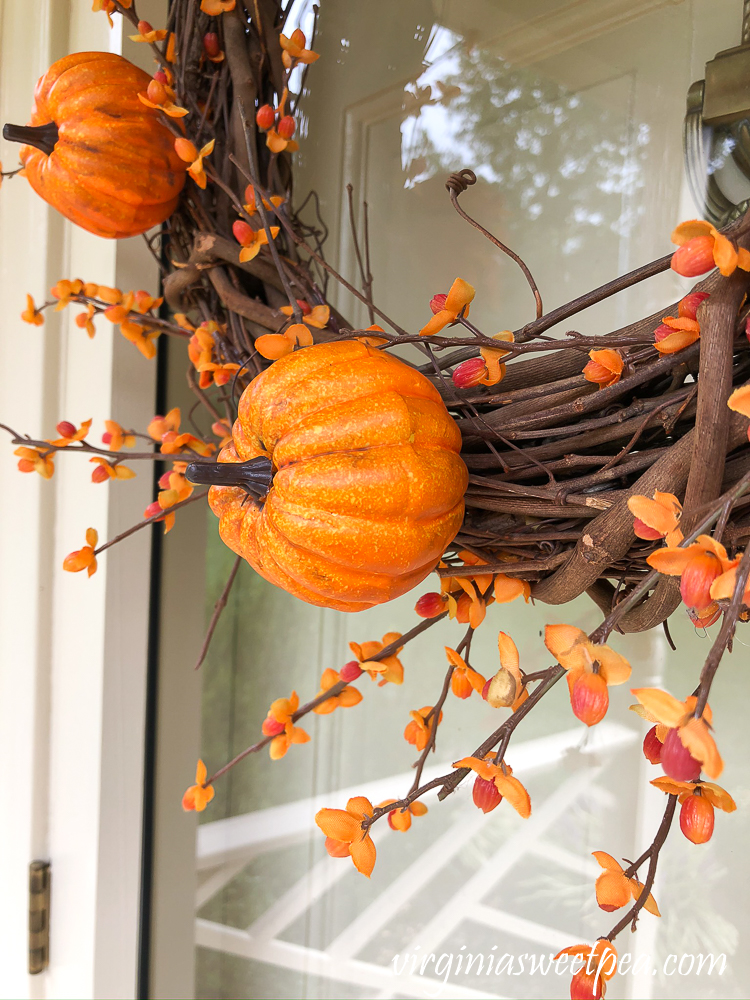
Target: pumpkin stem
{"x":254,"y":476}
{"x":43,"y":137}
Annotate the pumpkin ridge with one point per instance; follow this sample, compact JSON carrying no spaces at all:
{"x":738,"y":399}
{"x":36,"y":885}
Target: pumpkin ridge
{"x":297,"y":573}
{"x":321,"y":409}
{"x":301,"y":462}
{"x":316,"y":598}
{"x":310,"y":514}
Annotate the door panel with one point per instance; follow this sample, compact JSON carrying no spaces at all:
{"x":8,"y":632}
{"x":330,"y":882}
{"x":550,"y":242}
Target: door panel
{"x":570,"y":113}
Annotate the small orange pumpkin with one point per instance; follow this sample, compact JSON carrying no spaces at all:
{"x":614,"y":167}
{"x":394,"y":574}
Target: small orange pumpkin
{"x":368,"y":482}
{"x":95,"y":152}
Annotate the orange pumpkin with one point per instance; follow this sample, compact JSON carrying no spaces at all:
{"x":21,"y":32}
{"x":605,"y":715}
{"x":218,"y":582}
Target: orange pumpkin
{"x":367,"y":481}
{"x":95,"y":152}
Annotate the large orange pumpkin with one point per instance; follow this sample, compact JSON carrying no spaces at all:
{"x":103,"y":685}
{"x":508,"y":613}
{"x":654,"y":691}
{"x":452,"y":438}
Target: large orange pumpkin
{"x":367,"y":482}
{"x":95,"y":152}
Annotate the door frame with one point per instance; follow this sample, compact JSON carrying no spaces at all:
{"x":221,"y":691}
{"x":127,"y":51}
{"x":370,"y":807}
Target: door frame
{"x":73,"y":651}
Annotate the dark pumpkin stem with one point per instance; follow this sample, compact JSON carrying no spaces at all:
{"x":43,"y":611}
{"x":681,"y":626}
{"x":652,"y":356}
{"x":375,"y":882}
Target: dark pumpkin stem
{"x":43,"y":137}
{"x":254,"y":477}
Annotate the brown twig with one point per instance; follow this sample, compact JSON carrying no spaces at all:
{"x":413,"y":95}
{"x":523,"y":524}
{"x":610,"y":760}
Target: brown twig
{"x":218,"y":608}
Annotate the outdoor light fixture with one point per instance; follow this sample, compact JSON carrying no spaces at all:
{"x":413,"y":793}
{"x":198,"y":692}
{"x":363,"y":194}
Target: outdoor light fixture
{"x":716,"y":130}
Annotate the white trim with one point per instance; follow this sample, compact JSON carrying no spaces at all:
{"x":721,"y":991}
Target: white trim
{"x":72,"y":649}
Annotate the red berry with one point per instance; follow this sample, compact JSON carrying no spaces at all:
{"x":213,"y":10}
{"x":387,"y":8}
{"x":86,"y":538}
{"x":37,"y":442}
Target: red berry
{"x":271,"y":727}
{"x":286,"y":127}
{"x":469,"y":373}
{"x":652,"y":746}
{"x":100,"y":474}
{"x":437,"y":302}
{"x":66,"y":429}
{"x":160,"y":76}
{"x":582,"y":986}
{"x":350,"y":671}
{"x":642,"y":530}
{"x":211,"y":44}
{"x":164,"y":483}
{"x":676,"y":759}
{"x":304,"y":306}
{"x":144,"y":27}
{"x":694,"y":257}
{"x":688,"y":306}
{"x":696,"y":580}
{"x":265,"y":117}
{"x":590,"y":698}
{"x":430,"y":605}
{"x":485,"y":794}
{"x":243,"y":233}
{"x":106,"y":438}
{"x":697,"y":819}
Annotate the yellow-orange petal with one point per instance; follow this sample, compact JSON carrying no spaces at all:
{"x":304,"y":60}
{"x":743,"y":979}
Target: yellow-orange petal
{"x":675,"y":342}
{"x":338,"y":824}
{"x":670,"y":786}
{"x":437,"y":323}
{"x":698,"y":740}
{"x":661,"y":705}
{"x":718,"y":797}
{"x":509,"y":658}
{"x":652,"y":513}
{"x":363,"y":855}
{"x":709,"y":544}
{"x":725,"y":254}
{"x":514,"y":792}
{"x":299,"y":334}
{"x":690,"y":229}
{"x":614,"y":668}
{"x":568,"y":645}
{"x":461,"y":294}
{"x":683,"y":323}
{"x":278,"y":746}
{"x":739,"y":401}
{"x":672,"y":562}
{"x":605,"y":860}
{"x":249,"y":253}
{"x":350,"y":697}
{"x":359,"y":807}
{"x":506,"y":588}
{"x":273,"y":346}
{"x":318,"y":316}
{"x":636,"y":889}
{"x":481,"y":767}
{"x":419,"y":808}
{"x":454,"y":658}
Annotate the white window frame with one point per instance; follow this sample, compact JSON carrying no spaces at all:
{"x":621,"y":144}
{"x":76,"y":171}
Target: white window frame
{"x":73,"y":651}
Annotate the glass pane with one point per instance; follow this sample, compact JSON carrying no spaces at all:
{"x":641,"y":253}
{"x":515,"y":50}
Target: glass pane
{"x":571,"y":114}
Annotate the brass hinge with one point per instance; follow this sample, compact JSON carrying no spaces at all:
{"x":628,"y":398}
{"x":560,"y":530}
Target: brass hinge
{"x":39,"y":900}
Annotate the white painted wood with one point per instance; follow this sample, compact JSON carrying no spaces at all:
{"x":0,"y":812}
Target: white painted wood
{"x":72,"y":649}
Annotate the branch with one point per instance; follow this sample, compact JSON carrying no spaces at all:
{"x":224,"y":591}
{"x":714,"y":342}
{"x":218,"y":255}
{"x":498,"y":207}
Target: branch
{"x":218,"y":608}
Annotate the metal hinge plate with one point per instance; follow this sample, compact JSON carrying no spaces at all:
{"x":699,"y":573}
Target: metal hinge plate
{"x":39,"y":902}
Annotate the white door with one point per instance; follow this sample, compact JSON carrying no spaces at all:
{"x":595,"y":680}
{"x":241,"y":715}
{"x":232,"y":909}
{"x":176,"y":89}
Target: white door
{"x":570,"y":113}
